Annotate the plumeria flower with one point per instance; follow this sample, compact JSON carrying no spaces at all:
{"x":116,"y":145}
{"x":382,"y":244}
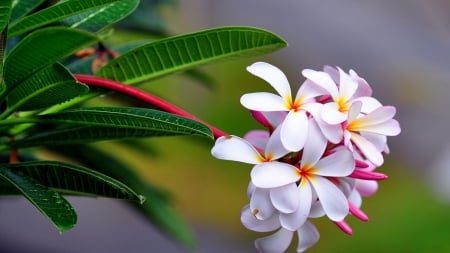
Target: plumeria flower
{"x":311,"y":175}
{"x":378,"y":124}
{"x":282,"y":238}
{"x":294,"y":127}
{"x":344,"y":89}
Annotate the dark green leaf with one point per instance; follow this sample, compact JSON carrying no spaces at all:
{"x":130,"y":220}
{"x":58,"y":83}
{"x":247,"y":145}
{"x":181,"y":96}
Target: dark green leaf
{"x":41,"y":49}
{"x":5,"y":12}
{"x":50,"y":86}
{"x":23,"y":7}
{"x":156,"y":208}
{"x":47,"y":201}
{"x":107,"y":123}
{"x":76,"y":180}
{"x":177,"y":53}
{"x":95,"y":19}
{"x":55,"y":13}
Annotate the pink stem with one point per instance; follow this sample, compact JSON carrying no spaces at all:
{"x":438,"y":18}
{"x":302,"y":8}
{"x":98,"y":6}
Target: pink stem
{"x":367,"y":175}
{"x":358,"y":213}
{"x":142,"y":96}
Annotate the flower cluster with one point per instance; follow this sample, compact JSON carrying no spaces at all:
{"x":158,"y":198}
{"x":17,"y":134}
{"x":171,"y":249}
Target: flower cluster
{"x":317,"y":156}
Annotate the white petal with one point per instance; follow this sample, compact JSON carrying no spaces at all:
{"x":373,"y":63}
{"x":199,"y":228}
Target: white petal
{"x":363,"y":87}
{"x":273,"y":75}
{"x":354,"y":111}
{"x":315,"y":145}
{"x":275,"y":148}
{"x":369,"y":104}
{"x":389,"y":128}
{"x":378,"y":140}
{"x":333,"y":72}
{"x":275,"y":243}
{"x":323,"y":80}
{"x":273,"y":174}
{"x":235,"y":149}
{"x":293,"y":221}
{"x":249,"y":221}
{"x":339,"y":164}
{"x":250,"y":189}
{"x":333,"y":201}
{"x":294,"y":130}
{"x":366,"y":187}
{"x":260,"y":204}
{"x":376,"y":117}
{"x":275,"y":118}
{"x":347,"y":86}
{"x":285,"y":198}
{"x":309,"y":90}
{"x":333,"y":133}
{"x":307,"y":237}
{"x":330,"y":114}
{"x":263,"y":101}
{"x":369,"y":150}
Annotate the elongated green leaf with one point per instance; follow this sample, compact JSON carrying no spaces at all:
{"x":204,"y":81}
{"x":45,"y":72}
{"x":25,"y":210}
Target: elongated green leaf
{"x":95,"y":19}
{"x":41,"y":49}
{"x":49,"y":202}
{"x":158,"y":206}
{"x":71,"y":179}
{"x":5,"y":12}
{"x":107,"y":123}
{"x":177,"y":53}
{"x":23,"y":7}
{"x":50,"y":86}
{"x":55,"y":13}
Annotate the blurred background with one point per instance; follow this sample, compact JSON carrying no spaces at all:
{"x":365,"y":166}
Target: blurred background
{"x":402,"y":48}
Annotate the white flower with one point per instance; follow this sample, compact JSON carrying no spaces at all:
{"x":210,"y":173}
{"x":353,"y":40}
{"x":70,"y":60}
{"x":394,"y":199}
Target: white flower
{"x":368,"y":132}
{"x":311,"y":174}
{"x":294,"y":127}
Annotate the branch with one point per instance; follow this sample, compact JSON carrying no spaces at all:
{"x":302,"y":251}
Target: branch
{"x":143,"y":96}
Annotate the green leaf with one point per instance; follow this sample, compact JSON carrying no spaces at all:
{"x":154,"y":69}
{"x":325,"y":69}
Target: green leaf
{"x":5,"y":12}
{"x":95,"y":19}
{"x":50,"y":86}
{"x":106,"y":123}
{"x":23,"y":7}
{"x":157,"y":209}
{"x":75,"y":180}
{"x":41,"y":49}
{"x":55,"y":13}
{"x":47,"y":201}
{"x":177,"y":53}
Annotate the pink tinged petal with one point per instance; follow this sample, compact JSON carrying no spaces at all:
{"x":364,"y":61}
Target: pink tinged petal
{"x":259,"y":116}
{"x":273,"y":75}
{"x":333,"y":201}
{"x":363,"y":87}
{"x":293,"y":221}
{"x":380,"y":115}
{"x":263,"y":101}
{"x":257,"y":138}
{"x":366,"y":188}
{"x":250,"y":189}
{"x":307,"y":237}
{"x":354,"y":111}
{"x":275,"y":118}
{"x":344,"y":227}
{"x":315,"y":145}
{"x":369,"y":104}
{"x":323,"y":80}
{"x":260,"y":204}
{"x":273,"y":174}
{"x":251,"y":222}
{"x":339,"y":164}
{"x":347,"y":86}
{"x":309,"y":90}
{"x":330,"y":114}
{"x":285,"y":198}
{"x":367,"y":175}
{"x":333,"y":72}
{"x":236,"y":149}
{"x":275,"y":243}
{"x":355,"y":198}
{"x":275,"y":148}
{"x":369,"y":150}
{"x":294,"y":130}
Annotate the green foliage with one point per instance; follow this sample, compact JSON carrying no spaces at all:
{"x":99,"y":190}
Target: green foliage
{"x":43,"y":50}
{"x":170,"y":55}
